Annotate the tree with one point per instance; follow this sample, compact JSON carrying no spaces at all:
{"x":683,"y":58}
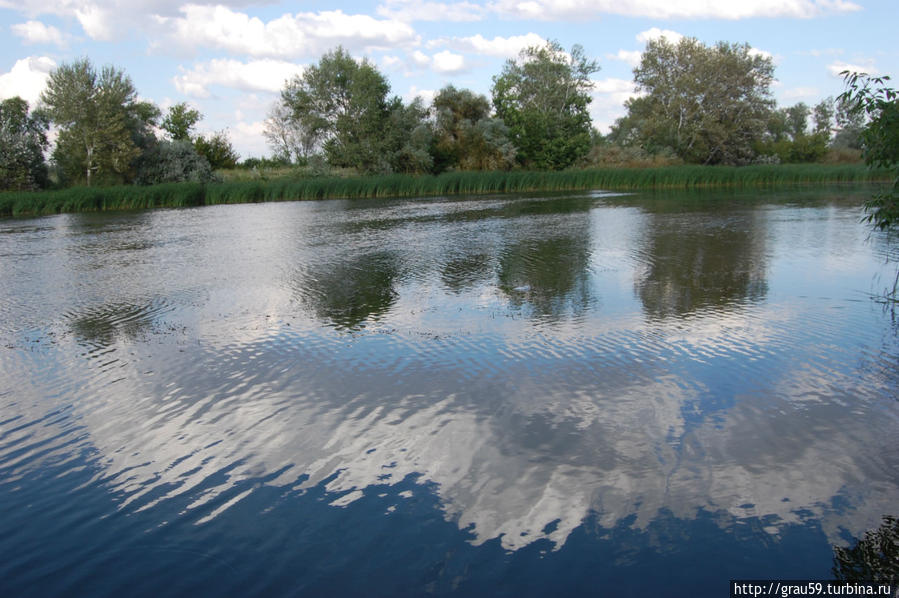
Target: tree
{"x":217,"y":150}
{"x":408,"y":138}
{"x":710,"y":105}
{"x":98,"y":115}
{"x":870,"y":97}
{"x":466,"y":136}
{"x":542,"y":98}
{"x":343,"y":105}
{"x":286,"y":135}
{"x":23,"y":141}
{"x":180,"y":121}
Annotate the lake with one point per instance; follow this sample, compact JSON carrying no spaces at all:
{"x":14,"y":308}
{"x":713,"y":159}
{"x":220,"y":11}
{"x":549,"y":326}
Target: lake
{"x":593,"y":393}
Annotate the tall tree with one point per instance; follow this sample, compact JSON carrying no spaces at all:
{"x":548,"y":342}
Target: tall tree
{"x":23,"y":141}
{"x":97,"y":114}
{"x":180,"y":121}
{"x":709,"y":105}
{"x":343,"y":105}
{"x":542,"y":97}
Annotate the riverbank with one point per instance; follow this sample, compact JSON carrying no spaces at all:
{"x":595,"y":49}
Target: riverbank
{"x":173,"y":195}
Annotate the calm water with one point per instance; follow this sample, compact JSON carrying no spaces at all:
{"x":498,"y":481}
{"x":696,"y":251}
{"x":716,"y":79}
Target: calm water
{"x":605,"y":394}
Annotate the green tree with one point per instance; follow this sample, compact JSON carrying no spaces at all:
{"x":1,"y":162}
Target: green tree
{"x":179,"y":122}
{"x":409,"y":138}
{"x":343,"y":105}
{"x":542,"y":97}
{"x":709,"y":105}
{"x":217,"y":150}
{"x":466,"y":137}
{"x":99,"y":117}
{"x":23,"y":141}
{"x":870,"y":97}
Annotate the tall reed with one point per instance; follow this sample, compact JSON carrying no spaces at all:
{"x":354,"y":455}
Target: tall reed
{"x":81,"y":199}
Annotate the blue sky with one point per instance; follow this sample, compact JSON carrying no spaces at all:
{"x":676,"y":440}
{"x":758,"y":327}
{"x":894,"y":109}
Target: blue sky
{"x":230,"y":59}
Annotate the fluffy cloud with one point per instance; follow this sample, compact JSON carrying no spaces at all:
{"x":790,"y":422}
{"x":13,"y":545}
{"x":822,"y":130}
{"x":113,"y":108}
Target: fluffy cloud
{"x":665,"y":9}
{"x":503,"y":47}
{"x":255,"y":75}
{"x":655,"y":33}
{"x":442,"y":62}
{"x":411,"y":10}
{"x":302,"y":34}
{"x":35,"y":32}
{"x":867,"y":66}
{"x":27,"y":78}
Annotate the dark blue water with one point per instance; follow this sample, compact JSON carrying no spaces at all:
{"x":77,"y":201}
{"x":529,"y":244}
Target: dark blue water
{"x":594,"y":394}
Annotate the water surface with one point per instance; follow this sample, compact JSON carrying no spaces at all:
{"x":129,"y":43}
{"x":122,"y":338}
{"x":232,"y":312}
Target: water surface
{"x":499,"y":395}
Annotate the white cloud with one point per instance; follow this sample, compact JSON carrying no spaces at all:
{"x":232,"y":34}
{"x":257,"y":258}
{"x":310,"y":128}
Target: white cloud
{"x":35,"y":32}
{"x":866,"y":66}
{"x":411,"y":10}
{"x":98,"y":22}
{"x":302,"y":34}
{"x":442,"y":62}
{"x":655,"y":33}
{"x":631,"y":57}
{"x":255,"y":75}
{"x":503,"y":47}
{"x":27,"y":78}
{"x":666,"y":9}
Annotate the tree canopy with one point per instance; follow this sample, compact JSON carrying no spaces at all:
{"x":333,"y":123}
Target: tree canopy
{"x":708,"y":105}
{"x":180,"y":121}
{"x":542,"y":97}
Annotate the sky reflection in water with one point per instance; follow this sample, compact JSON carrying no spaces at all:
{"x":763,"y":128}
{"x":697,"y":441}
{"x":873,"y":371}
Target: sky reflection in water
{"x":445,"y":395}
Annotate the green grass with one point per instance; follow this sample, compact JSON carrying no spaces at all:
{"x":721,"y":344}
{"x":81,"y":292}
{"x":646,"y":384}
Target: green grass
{"x":81,"y":199}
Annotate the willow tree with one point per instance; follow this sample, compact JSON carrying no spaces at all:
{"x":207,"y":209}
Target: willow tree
{"x":708,"y":105}
{"x":542,"y":97}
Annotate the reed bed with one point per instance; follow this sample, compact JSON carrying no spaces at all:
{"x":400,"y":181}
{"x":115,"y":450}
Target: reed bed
{"x":81,"y":199}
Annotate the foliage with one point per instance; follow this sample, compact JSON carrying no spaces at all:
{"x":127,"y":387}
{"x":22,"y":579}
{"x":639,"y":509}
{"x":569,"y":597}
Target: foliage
{"x":542,"y":97}
{"x":709,"y":105}
{"x":342,"y":104}
{"x":217,"y":150}
{"x":179,"y":121}
{"x":873,"y":558}
{"x":465,"y":135}
{"x":173,"y":162}
{"x":101,"y":122}
{"x":880,"y":138}
{"x":23,"y":141}
{"x":408,"y":139}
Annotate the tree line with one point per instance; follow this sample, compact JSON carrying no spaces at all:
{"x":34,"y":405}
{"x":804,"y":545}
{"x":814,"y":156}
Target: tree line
{"x":105,"y":135}
{"x":696,"y":104}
